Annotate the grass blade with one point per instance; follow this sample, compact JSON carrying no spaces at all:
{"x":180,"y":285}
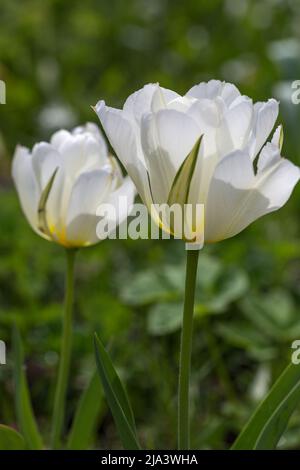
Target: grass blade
{"x":90,"y":409}
{"x":117,"y":398}
{"x":271,"y":418}
{"x":25,"y":415}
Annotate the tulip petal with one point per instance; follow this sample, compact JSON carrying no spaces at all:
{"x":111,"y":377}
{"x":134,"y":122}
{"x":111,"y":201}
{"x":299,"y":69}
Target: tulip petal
{"x":82,"y":152}
{"x":235,"y":129}
{"x":89,"y":191}
{"x":147,"y":99}
{"x":237,"y":197}
{"x":179,"y":192}
{"x":42,"y":209}
{"x":26,"y":184}
{"x":122,"y":137}
{"x":214,"y":88}
{"x":59,"y":137}
{"x":167,"y":138}
{"x":45,"y":160}
{"x":269,"y":155}
{"x":231,"y":179}
{"x":265,"y":115}
{"x":122,"y":200}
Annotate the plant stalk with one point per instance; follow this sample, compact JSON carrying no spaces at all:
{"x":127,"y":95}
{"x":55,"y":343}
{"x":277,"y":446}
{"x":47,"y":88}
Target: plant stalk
{"x":65,"y":355}
{"x":186,"y":351}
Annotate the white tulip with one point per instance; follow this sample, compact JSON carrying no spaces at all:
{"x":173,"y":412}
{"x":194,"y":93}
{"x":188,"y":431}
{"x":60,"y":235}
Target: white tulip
{"x":237,"y":175}
{"x":61,"y":184}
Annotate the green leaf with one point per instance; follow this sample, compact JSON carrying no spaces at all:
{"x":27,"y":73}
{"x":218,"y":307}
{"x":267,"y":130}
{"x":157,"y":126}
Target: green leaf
{"x":281,"y":137}
{"x":10,"y":439}
{"x":42,"y":213}
{"x":180,"y":189}
{"x":164,"y":318}
{"x":116,"y":397}
{"x":88,"y":412}
{"x":270,"y":419}
{"x":146,"y":287}
{"x":25,"y":415}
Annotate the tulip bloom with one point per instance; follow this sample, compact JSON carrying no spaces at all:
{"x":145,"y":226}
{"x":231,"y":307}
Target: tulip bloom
{"x":206,"y":147}
{"x":60,"y":185}
{"x":236,"y":175}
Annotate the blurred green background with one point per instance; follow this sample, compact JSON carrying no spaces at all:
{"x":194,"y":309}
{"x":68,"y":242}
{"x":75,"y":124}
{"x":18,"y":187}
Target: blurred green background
{"x":57,"y":58}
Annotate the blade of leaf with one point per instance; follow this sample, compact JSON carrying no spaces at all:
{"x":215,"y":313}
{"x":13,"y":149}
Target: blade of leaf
{"x":10,"y":439}
{"x":281,"y":137}
{"x":42,"y":213}
{"x":25,"y":415}
{"x":116,"y":397}
{"x":180,"y":189}
{"x":89,"y":411}
{"x":270,"y":419}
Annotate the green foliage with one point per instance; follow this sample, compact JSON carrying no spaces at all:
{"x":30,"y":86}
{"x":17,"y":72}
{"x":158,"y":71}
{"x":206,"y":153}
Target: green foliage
{"x":10,"y":439}
{"x":269,"y":421}
{"x":116,"y":397}
{"x":217,"y":288}
{"x":90,"y":407}
{"x":26,"y":418}
{"x":58,"y":58}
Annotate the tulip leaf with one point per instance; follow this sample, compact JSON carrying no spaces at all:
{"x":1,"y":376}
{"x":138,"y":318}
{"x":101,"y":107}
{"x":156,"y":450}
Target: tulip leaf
{"x":10,"y":439}
{"x":269,"y":421}
{"x":25,"y":415}
{"x":281,"y":137}
{"x":180,"y":189}
{"x":116,"y":397}
{"x":42,"y":213}
{"x":89,"y":410}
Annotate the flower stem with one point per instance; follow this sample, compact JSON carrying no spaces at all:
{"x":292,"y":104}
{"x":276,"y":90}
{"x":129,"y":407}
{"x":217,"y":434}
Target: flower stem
{"x":186,"y":350}
{"x":65,"y":356}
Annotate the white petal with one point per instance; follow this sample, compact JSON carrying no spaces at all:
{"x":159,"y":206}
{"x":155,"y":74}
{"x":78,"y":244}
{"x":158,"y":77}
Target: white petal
{"x":122,"y":200}
{"x":277,"y":182}
{"x":269,"y":155}
{"x":59,"y":137}
{"x":265,"y":118}
{"x":206,"y":113}
{"x":26,"y":184}
{"x":167,"y":137}
{"x":121,"y":134}
{"x":82,"y":152}
{"x":182,"y":103}
{"x":90,"y":189}
{"x":45,"y":160}
{"x":233,"y":177}
{"x":235,"y":129}
{"x":214,"y":88}
{"x":232,"y":206}
{"x":140,"y":102}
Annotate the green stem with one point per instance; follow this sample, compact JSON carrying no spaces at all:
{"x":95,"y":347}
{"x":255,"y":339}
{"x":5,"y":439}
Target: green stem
{"x":65,"y":356}
{"x":186,"y":350}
